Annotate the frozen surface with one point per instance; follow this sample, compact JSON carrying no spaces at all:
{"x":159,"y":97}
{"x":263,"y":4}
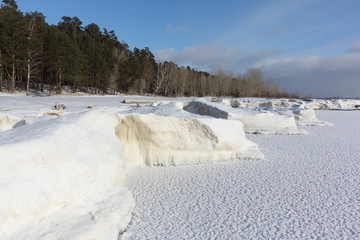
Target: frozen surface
{"x":263,"y":122}
{"x":307,"y":117}
{"x":317,"y":104}
{"x":64,"y":176}
{"x":156,"y":140}
{"x":63,"y":170}
{"x":307,"y":187}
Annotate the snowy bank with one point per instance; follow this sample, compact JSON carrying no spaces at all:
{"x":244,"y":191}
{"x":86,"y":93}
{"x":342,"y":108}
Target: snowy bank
{"x":65,"y":175}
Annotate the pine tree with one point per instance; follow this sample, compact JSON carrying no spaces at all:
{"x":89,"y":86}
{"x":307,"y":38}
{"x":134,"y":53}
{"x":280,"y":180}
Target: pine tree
{"x":58,"y":56}
{"x":35,"y":44}
{"x":13,"y":39}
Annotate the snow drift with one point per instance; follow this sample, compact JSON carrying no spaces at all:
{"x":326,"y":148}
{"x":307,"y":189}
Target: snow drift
{"x":263,"y":122}
{"x":8,"y":122}
{"x":65,"y":175}
{"x":156,"y":140}
{"x":307,"y":117}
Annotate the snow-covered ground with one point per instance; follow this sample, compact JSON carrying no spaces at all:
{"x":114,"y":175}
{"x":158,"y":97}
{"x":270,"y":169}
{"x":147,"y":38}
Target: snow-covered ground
{"x":78,"y":172}
{"x":307,"y":187}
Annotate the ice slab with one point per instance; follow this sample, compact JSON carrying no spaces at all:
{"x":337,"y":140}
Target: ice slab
{"x":259,"y":122}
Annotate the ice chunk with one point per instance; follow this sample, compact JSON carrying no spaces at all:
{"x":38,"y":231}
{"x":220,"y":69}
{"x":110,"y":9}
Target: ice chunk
{"x":155,"y":140}
{"x":8,"y":122}
{"x":64,"y":171}
{"x":263,"y":122}
{"x":306,"y":117}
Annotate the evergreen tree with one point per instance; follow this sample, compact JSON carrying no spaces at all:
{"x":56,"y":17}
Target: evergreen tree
{"x":59,"y":53}
{"x":35,"y":45}
{"x":13,"y":39}
{"x":73,"y":29}
{"x":88,"y":57}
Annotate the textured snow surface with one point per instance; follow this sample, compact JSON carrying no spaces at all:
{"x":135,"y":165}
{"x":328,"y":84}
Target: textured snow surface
{"x":306,"y":188}
{"x":62,"y":172}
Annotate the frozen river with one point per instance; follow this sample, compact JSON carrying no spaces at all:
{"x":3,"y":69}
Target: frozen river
{"x":307,"y":187}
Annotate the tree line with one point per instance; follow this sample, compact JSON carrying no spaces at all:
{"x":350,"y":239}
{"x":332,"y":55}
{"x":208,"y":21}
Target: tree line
{"x":34,"y":54}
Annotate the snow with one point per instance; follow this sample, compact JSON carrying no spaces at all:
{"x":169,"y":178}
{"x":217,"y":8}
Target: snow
{"x":307,"y":187}
{"x":63,"y":169}
{"x":156,"y":140}
{"x":7,"y":122}
{"x":317,"y":104}
{"x":86,"y":171}
{"x":306,"y":117}
{"x":264,"y":122}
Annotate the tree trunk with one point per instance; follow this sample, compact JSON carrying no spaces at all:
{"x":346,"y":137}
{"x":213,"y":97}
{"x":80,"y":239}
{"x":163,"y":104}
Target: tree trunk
{"x":12,"y":85}
{"x":59,"y":83}
{"x":1,"y":74}
{"x":42,"y":78}
{"x":28,"y":78}
{"x":1,"y":80}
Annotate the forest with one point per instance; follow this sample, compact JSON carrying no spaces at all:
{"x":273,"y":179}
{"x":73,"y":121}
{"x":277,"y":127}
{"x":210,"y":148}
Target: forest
{"x":35,"y":55}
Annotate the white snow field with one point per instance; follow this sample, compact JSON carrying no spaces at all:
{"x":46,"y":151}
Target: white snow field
{"x":307,"y":187}
{"x":78,"y":171}
{"x":62,"y":172}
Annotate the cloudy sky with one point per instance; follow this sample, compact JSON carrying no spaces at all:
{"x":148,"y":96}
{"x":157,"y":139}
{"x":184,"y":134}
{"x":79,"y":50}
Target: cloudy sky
{"x":307,"y":46}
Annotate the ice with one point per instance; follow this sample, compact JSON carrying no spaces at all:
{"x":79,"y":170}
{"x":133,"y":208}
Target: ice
{"x":67,"y":174}
{"x":8,"y":122}
{"x":65,"y":169}
{"x":307,"y":187}
{"x":303,"y":112}
{"x":63,"y":174}
{"x":263,"y":122}
{"x":156,"y":140}
{"x":306,"y":117}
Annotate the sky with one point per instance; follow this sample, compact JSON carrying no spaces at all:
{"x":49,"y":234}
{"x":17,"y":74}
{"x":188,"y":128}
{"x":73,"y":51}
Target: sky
{"x":308,"y":46}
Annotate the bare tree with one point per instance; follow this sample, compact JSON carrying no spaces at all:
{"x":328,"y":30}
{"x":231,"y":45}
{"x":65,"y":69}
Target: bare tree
{"x":160,"y":77}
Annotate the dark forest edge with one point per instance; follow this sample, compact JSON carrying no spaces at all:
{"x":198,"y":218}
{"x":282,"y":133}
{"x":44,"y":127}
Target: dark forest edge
{"x":34,"y":54}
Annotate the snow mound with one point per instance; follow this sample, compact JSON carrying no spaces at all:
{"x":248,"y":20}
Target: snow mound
{"x":166,"y":109}
{"x":259,"y":122}
{"x":307,"y":117}
{"x":64,"y":173}
{"x":8,"y":122}
{"x":156,"y":140}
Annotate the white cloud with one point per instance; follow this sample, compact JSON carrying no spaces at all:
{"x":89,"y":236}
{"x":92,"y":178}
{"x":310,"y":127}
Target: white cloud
{"x":206,"y":57}
{"x":202,"y":57}
{"x":252,"y":58}
{"x":355,"y":48}
{"x":165,"y":54}
{"x":171,"y":29}
{"x":320,"y":76}
{"x":275,"y":31}
{"x":317,"y":75}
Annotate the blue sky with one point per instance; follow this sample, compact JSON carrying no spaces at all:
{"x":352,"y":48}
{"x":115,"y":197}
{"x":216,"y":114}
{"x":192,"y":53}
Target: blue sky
{"x":309,"y":47}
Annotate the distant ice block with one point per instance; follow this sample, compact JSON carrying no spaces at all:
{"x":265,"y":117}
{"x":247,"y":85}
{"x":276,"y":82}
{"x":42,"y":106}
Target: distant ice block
{"x":262,"y":122}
